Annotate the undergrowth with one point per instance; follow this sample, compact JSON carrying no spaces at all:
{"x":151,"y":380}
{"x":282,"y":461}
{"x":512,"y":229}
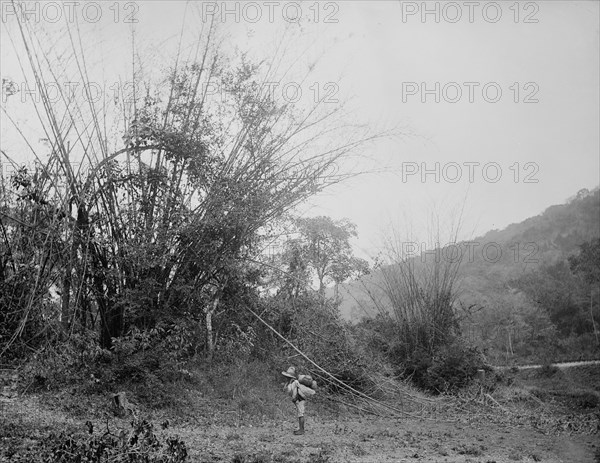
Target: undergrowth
{"x":140,"y":444}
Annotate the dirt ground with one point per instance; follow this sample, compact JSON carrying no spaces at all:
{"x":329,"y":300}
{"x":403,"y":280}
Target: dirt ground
{"x":372,"y":440}
{"x":551,"y":417}
{"x":349,"y":437}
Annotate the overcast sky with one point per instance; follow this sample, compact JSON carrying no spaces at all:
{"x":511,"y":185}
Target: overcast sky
{"x":499,"y":102}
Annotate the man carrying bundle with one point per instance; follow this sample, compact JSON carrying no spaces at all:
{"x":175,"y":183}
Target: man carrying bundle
{"x":299,"y":388}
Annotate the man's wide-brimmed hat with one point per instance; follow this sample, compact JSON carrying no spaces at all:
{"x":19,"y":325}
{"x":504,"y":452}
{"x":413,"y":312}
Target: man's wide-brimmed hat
{"x":290,"y":373}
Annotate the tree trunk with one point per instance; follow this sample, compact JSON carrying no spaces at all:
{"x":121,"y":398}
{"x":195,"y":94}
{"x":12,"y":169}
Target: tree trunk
{"x":66,"y":297}
{"x":209,"y":337}
{"x":111,"y":320}
{"x":105,"y":337}
{"x":66,"y":284}
{"x":111,"y":314}
{"x":85,"y":308}
{"x":209,"y":310}
{"x":81,"y":224}
{"x":321,"y":277}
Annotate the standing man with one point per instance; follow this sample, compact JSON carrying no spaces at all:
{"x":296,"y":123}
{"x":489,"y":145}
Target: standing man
{"x":292,"y":388}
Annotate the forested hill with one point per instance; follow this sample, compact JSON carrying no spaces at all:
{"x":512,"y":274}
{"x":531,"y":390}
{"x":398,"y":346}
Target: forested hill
{"x":538,"y":244}
{"x":560,"y":228}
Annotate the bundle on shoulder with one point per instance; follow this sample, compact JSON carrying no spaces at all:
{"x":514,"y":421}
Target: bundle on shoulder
{"x":306,"y":386}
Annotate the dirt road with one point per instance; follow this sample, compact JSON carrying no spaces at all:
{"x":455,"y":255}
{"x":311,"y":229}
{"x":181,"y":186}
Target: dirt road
{"x":561,"y":365}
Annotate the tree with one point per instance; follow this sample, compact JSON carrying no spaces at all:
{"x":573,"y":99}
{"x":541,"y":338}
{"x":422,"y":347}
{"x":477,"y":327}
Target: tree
{"x":169,"y":207}
{"x":323,"y":249}
{"x":512,"y":324}
{"x":587,"y":261}
{"x":586,"y":265}
{"x":554,"y":288}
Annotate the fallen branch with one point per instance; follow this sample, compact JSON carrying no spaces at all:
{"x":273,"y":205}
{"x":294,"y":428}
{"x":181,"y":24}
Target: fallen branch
{"x":353,"y":406}
{"x":496,"y":403}
{"x":328,"y":374}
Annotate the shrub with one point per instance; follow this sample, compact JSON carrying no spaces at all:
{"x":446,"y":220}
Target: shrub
{"x":61,"y":362}
{"x":587,"y":399}
{"x":316,"y":328}
{"x":451,"y":368}
{"x":139,"y":445}
{"x":548,"y":371}
{"x":150,"y":364}
{"x":446,"y":368}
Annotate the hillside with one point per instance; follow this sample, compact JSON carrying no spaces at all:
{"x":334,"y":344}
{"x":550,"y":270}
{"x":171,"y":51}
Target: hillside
{"x":528,"y":246}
